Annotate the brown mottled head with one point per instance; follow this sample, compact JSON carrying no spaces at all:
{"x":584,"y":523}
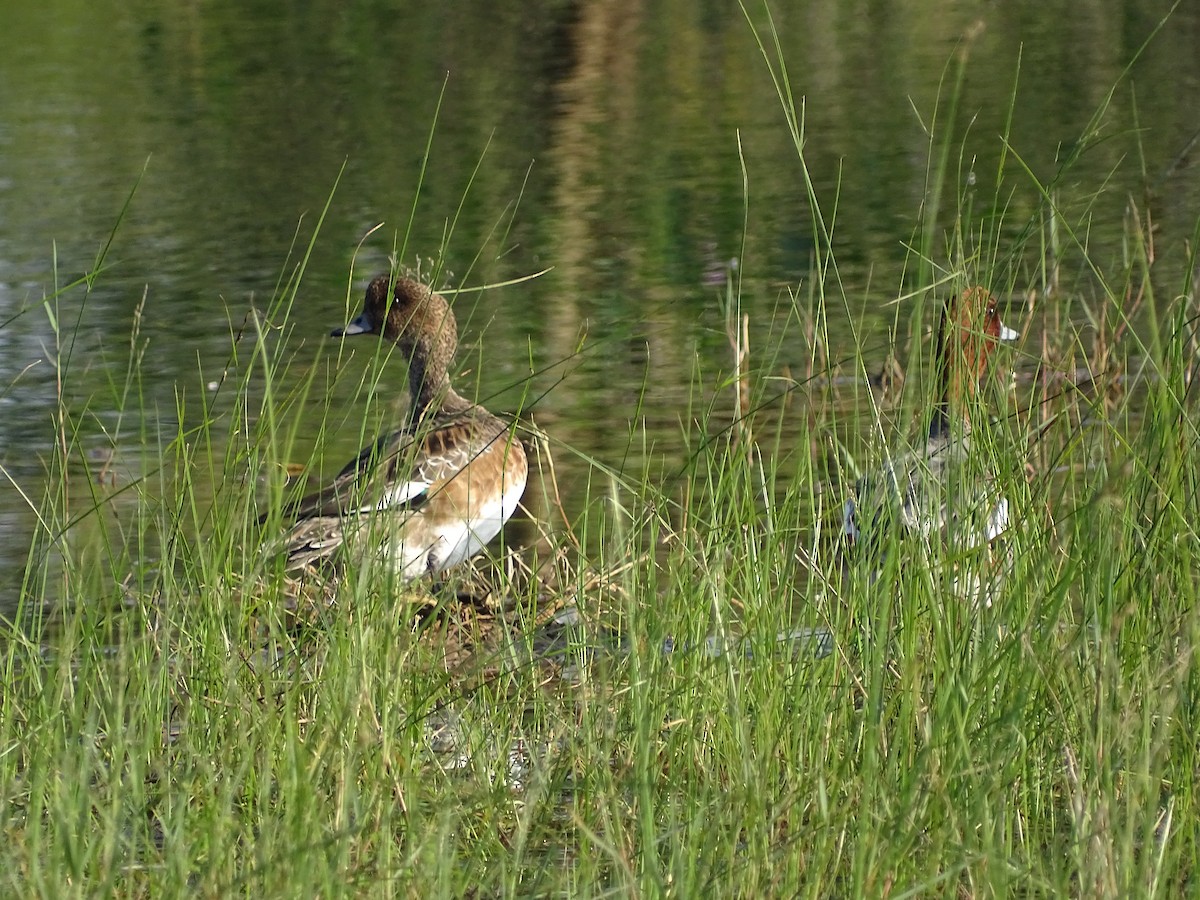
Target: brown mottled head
{"x":418,"y":320}
{"x":421,"y":324}
{"x":970,"y":329}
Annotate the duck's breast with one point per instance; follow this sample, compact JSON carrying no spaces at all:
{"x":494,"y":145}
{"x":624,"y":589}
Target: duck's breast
{"x":494,"y":488}
{"x":464,"y":510}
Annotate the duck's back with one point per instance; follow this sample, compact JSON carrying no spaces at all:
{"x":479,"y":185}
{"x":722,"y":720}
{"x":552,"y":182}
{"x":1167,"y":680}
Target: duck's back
{"x":426,"y":498}
{"x":937,"y":491}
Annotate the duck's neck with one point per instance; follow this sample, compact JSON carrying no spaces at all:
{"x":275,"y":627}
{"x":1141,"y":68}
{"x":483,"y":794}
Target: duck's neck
{"x":958,"y":382}
{"x":430,"y":390}
{"x":945,"y":423}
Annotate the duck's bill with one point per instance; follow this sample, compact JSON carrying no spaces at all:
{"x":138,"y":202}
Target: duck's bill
{"x":1008,"y":334}
{"x":360,"y":325}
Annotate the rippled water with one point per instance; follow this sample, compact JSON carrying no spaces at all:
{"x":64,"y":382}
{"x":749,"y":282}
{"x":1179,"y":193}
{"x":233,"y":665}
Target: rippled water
{"x":632,"y":149}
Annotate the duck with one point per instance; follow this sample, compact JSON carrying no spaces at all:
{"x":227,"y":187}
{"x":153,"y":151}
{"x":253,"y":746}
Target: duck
{"x":925,"y":492}
{"x":433,"y":493}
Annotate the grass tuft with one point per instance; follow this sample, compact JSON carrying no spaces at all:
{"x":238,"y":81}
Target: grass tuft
{"x":674,"y":688}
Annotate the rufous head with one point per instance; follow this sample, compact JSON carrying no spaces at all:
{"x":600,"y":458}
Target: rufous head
{"x":970,"y":330}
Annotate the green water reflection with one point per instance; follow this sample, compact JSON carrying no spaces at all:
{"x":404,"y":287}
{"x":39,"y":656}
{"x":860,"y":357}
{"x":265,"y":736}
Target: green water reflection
{"x":633,"y":148}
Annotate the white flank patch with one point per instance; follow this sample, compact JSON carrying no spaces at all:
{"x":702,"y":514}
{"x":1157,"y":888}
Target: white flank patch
{"x":998,"y":521}
{"x":449,"y":542}
{"x":400,"y":494}
{"x":465,"y":539}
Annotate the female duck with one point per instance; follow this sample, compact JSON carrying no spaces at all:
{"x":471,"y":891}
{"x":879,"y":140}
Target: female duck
{"x":434,"y":493}
{"x":931,"y":491}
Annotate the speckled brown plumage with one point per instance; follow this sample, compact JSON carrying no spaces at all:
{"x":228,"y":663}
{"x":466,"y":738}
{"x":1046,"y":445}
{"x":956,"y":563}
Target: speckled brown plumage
{"x":433,"y":493}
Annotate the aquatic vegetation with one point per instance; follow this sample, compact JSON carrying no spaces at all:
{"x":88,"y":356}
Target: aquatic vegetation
{"x":671,"y":690}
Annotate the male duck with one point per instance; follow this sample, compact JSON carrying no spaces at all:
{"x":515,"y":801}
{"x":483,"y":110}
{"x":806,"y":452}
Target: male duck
{"x":435,"y":492}
{"x":930,"y":491}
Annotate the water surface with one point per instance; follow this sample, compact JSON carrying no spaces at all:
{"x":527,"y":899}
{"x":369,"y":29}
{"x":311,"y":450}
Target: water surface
{"x":633,"y":149}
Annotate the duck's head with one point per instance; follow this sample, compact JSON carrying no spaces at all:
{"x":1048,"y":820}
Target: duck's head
{"x":970,"y":330}
{"x":418,"y":320}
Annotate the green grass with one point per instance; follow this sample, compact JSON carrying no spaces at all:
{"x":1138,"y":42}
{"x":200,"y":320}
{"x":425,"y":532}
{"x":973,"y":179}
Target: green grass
{"x":168,"y":726}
